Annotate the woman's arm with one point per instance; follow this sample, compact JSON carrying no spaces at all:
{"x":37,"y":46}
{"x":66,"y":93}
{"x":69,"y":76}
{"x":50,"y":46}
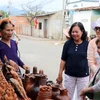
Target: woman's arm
{"x":96,"y":87}
{"x":91,"y":56}
{"x":61,"y":69}
{"x":21,"y":64}
{"x":63,"y":61}
{"x":86,"y":90}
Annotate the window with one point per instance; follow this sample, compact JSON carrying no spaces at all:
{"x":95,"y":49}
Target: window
{"x":40,"y":25}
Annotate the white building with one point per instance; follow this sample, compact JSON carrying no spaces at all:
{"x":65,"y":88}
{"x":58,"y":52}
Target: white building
{"x":86,"y":15}
{"x":73,"y":4}
{"x":83,"y":11}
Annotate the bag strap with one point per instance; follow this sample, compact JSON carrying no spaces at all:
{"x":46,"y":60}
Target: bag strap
{"x":95,"y":76}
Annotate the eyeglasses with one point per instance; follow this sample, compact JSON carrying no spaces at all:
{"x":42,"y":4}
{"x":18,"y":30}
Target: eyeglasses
{"x":97,"y":28}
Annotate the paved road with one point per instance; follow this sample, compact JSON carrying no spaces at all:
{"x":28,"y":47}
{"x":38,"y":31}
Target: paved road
{"x":43,"y":53}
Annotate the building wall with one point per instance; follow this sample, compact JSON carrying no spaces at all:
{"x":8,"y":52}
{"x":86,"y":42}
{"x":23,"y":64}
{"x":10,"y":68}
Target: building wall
{"x":40,"y":32}
{"x":55,"y":26}
{"x":87,"y":17}
{"x":21,"y":24}
{"x":73,"y":4}
{"x":84,"y":17}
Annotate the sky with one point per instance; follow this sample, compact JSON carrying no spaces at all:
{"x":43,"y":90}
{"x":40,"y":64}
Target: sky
{"x":54,"y":5}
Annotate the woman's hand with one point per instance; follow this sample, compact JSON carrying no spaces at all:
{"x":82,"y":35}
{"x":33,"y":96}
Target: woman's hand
{"x":26,"y":67}
{"x":82,"y":94}
{"x":59,"y":79}
{"x":83,"y":98}
{"x":83,"y":91}
{"x":86,"y":90}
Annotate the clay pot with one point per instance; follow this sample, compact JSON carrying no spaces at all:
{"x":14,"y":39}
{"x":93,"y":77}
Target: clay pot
{"x":27,"y":71}
{"x":63,"y":95}
{"x":49,"y":83}
{"x":30,"y":80}
{"x":55,"y":91}
{"x":44,"y":93}
{"x":41,"y":72}
{"x":43,"y":80}
{"x":39,"y":80}
{"x":29,"y":83}
{"x":34,"y":70}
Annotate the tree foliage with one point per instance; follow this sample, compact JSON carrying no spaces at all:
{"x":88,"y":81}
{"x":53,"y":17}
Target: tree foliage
{"x":33,"y":8}
{"x":4,"y":14}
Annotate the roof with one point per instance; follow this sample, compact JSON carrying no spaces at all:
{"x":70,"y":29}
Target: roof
{"x":88,"y":8}
{"x":71,"y":1}
{"x":47,"y":14}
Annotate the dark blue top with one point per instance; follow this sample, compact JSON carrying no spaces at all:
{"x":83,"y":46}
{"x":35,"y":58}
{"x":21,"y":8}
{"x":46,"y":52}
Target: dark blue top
{"x":75,"y":57}
{"x":10,"y":52}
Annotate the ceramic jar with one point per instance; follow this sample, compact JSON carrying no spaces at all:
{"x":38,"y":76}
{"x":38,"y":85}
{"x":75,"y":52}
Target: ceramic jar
{"x":55,"y":90}
{"x":63,"y":95}
{"x":44,"y":93}
{"x":34,"y":70}
{"x":39,"y":80}
{"x":29,"y":83}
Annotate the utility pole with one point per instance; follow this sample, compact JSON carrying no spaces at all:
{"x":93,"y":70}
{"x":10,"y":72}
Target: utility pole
{"x":65,"y":4}
{"x":9,"y":5}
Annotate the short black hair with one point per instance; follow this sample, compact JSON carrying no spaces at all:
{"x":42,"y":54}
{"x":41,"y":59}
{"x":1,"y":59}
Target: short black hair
{"x":80,"y":25}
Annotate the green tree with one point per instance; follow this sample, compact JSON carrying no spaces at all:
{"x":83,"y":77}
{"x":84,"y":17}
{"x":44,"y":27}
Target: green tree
{"x":4,"y":14}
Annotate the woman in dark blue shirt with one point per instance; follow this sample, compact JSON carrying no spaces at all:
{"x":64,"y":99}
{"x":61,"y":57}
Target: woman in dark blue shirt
{"x":8,"y":46}
{"x":74,"y":61}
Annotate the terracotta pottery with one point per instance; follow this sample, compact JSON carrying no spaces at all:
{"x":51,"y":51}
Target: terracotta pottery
{"x":49,"y":83}
{"x":55,"y":90}
{"x":44,"y":93}
{"x":27,"y":71}
{"x":39,"y":80}
{"x":41,"y":72}
{"x":34,"y":70}
{"x":29,"y":83}
{"x":63,"y":95}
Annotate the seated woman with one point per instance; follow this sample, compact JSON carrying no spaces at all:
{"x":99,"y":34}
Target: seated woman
{"x":93,"y":91}
{"x":8,"y":46}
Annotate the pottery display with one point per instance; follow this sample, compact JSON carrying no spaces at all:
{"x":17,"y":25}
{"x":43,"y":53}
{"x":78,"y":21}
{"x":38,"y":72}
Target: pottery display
{"x":63,"y":95}
{"x":39,"y":80}
{"x":6,"y":90}
{"x":35,"y":84}
{"x":34,"y":70}
{"x":44,"y":93}
{"x":55,"y":90}
{"x":29,"y":83}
